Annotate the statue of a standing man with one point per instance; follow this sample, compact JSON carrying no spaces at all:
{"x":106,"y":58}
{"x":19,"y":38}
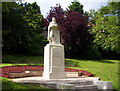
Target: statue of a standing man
{"x":53,"y":32}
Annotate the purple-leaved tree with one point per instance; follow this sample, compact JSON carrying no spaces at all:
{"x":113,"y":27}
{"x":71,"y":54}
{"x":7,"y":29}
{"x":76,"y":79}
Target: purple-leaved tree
{"x":74,"y":30}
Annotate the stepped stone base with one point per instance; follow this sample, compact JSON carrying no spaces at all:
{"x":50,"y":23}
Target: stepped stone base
{"x":73,"y":83}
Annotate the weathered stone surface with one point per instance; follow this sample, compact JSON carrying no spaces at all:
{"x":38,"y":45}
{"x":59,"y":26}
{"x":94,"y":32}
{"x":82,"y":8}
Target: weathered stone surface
{"x":54,"y":62}
{"x":27,"y":73}
{"x":81,"y":84}
{"x":87,"y":87}
{"x":65,"y":87}
{"x":52,"y":85}
{"x":72,"y":74}
{"x":103,"y":85}
{"x":15,"y":75}
{"x":53,"y":32}
{"x":38,"y":73}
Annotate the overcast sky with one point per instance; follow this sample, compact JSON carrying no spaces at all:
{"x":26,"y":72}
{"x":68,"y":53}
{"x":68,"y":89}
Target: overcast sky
{"x":88,"y":4}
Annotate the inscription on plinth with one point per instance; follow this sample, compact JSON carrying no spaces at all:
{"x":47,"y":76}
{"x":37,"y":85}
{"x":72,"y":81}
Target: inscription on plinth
{"x":57,"y":56}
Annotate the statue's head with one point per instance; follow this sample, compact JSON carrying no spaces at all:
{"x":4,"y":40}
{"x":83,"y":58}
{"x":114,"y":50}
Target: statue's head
{"x":53,"y":23}
{"x":54,"y":20}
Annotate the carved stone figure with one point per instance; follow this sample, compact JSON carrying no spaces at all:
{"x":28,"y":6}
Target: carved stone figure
{"x":53,"y":32}
{"x":54,"y":64}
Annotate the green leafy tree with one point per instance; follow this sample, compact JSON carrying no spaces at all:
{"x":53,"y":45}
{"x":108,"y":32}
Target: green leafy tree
{"x":106,"y":30}
{"x":22,"y":27}
{"x":92,"y":16}
{"x":76,"y":6}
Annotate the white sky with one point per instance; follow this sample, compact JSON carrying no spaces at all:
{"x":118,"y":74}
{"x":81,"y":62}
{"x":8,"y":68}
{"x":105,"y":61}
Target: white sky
{"x":46,"y":4}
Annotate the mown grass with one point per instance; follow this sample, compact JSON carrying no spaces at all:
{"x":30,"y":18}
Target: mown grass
{"x":107,"y":70}
{"x":7,"y":85}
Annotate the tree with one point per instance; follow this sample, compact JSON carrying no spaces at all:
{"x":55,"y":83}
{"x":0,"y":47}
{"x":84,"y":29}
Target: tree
{"x":22,"y":27}
{"x":11,"y":24}
{"x":74,"y":34}
{"x":76,"y":6}
{"x":92,"y":16}
{"x":106,"y":30}
{"x":55,"y":12}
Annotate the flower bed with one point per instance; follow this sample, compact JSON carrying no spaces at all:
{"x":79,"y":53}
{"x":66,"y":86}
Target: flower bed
{"x":22,"y":69}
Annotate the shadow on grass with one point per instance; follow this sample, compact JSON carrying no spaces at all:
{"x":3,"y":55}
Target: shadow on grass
{"x":40,"y":59}
{"x":22,"y":59}
{"x":102,"y":61}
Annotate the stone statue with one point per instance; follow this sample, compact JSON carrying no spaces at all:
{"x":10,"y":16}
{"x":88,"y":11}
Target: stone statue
{"x":54,"y":65}
{"x":53,"y":32}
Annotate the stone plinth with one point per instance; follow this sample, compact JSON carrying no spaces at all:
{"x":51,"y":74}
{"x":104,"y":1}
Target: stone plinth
{"x":54,"y":62}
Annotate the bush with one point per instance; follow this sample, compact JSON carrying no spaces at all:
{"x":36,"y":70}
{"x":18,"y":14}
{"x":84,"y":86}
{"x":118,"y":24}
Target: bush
{"x":92,"y":53}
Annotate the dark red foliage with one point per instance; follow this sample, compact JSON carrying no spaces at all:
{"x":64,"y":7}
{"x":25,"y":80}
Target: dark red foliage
{"x":21,"y":69}
{"x":56,"y":12}
{"x":74,"y":27}
{"x":74,"y":30}
{"x":75,"y":35}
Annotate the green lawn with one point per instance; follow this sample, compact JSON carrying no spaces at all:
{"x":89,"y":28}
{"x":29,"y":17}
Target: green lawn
{"x":107,"y":70}
{"x":7,"y":85}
